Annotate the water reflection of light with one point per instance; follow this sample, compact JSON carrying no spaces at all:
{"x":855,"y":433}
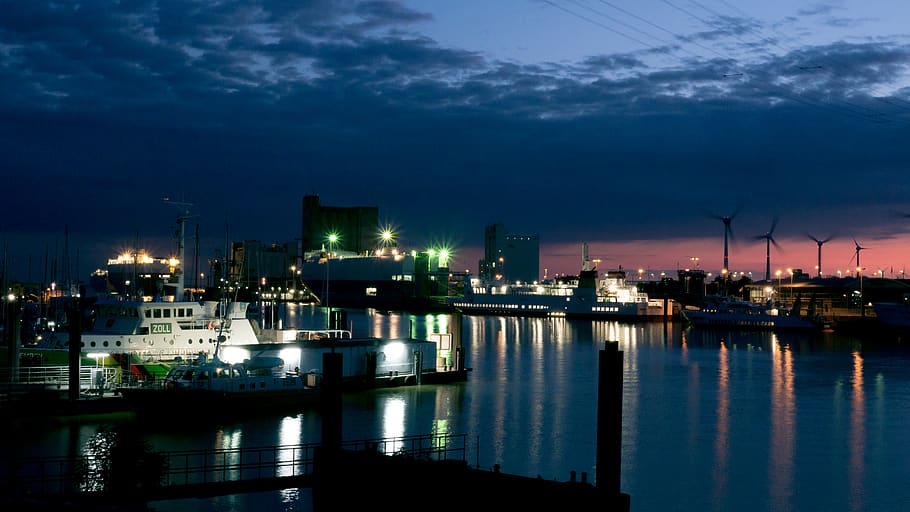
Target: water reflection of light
{"x":393,"y":415}
{"x":857,"y":435}
{"x":722,"y":435}
{"x":225,"y":440}
{"x":289,"y":434}
{"x":783,"y":412}
{"x":684,"y":347}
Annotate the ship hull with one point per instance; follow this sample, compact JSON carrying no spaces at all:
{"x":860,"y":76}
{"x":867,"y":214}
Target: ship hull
{"x":894,"y":315}
{"x":543,"y":306}
{"x":710,"y":319}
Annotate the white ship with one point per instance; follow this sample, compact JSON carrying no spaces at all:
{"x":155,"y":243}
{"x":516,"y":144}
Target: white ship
{"x":610,"y":297}
{"x":160,"y":330}
{"x":163,"y":329}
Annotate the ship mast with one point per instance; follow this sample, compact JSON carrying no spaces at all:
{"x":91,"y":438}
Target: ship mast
{"x":181,"y":246}
{"x":585,"y":261}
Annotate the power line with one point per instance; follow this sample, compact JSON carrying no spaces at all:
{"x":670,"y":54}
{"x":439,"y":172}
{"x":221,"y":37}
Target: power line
{"x":643,"y":20}
{"x":601,"y":25}
{"x":846,"y":108}
{"x":860,"y":109}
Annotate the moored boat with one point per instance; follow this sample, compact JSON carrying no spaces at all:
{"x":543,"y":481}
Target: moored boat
{"x":726,"y":312}
{"x":586,"y":295}
{"x":210,"y":383}
{"x":288,"y":375}
{"x":894,"y":315}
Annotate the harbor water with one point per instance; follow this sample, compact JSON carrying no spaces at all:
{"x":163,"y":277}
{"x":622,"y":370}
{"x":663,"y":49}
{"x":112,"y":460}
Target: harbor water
{"x":712,"y":420}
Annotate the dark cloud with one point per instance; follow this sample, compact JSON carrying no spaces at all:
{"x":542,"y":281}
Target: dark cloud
{"x":242,"y":108}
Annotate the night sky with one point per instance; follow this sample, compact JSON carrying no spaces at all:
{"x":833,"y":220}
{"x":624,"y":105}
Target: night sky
{"x":629,"y":125}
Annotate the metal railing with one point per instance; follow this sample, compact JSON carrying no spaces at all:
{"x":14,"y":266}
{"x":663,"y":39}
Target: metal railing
{"x":57,"y":377}
{"x":100,"y":474}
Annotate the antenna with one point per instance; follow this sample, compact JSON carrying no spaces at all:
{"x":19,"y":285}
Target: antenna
{"x":585,"y":262}
{"x":181,"y":249}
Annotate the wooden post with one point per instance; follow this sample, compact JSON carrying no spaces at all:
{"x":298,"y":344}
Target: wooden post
{"x":609,"y":419}
{"x":331,"y":400}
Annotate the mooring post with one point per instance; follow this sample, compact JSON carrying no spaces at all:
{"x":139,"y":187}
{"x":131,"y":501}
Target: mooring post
{"x":74,"y":311}
{"x":609,"y":419}
{"x":13,"y":323}
{"x":331,"y":400}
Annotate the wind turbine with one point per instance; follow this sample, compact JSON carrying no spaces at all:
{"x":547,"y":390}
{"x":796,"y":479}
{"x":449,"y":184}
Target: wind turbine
{"x":728,"y":235}
{"x":820,"y":244}
{"x":858,"y":249}
{"x":769,"y":239}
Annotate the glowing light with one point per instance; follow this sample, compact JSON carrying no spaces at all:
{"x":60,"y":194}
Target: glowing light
{"x":444,"y":255}
{"x":291,"y":355}
{"x":234,"y":355}
{"x":394,"y":352}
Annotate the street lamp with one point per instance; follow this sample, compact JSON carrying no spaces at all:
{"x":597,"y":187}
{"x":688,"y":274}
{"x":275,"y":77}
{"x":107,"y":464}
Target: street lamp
{"x":862,"y":303}
{"x":386,"y":238}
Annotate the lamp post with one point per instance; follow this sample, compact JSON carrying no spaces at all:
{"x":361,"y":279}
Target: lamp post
{"x":778,"y":273}
{"x":333,"y":239}
{"x":294,"y":285}
{"x":862,"y":303}
{"x":790,"y":270}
